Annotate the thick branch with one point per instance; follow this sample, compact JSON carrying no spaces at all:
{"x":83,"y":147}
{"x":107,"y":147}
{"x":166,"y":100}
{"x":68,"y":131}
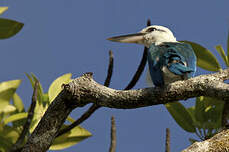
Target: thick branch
{"x":84,"y":90}
{"x":46,"y":131}
{"x":87,"y":91}
{"x":218,"y":143}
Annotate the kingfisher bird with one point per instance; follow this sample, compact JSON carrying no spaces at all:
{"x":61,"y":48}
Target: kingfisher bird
{"x":168,"y":59}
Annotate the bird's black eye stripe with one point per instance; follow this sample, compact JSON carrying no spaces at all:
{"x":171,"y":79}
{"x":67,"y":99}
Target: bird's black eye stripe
{"x":151,"y":29}
{"x":154,"y":29}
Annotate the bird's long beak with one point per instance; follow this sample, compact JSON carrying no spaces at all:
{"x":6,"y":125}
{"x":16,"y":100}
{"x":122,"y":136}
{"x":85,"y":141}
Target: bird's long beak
{"x":130,"y":38}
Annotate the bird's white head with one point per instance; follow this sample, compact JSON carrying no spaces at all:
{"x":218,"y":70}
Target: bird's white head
{"x":151,"y":34}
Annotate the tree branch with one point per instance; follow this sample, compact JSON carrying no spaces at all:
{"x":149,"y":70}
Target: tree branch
{"x":110,"y":69}
{"x":139,"y":70}
{"x":167,"y":140}
{"x":46,"y":130}
{"x":94,"y":107}
{"x":84,"y":90}
{"x":113,"y":135}
{"x":17,"y":146}
{"x":218,"y":143}
{"x":84,"y":117}
{"x":87,"y":91}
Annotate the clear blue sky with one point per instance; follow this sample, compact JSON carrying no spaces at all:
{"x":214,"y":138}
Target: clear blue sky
{"x":62,"y":36}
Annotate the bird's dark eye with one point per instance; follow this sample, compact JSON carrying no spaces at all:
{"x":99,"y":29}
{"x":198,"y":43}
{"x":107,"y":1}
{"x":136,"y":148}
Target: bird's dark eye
{"x":151,"y":29}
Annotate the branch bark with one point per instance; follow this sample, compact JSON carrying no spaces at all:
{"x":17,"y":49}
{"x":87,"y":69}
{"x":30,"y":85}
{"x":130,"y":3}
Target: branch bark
{"x":84,"y":90}
{"x":167,"y":140}
{"x":218,"y":143}
{"x":18,"y":145}
{"x":113,"y":136}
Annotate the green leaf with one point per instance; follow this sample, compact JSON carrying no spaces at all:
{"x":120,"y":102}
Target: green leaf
{"x":214,"y":114}
{"x":181,"y":116}
{"x":70,"y":119}
{"x":192,"y":112}
{"x":45,"y":98}
{"x":17,"y":102}
{"x":3,"y":9}
{"x":16,"y":117}
{"x":9,"y":28}
{"x":39,"y":86}
{"x":8,"y":88}
{"x":30,"y":79}
{"x":38,"y":114}
{"x":7,"y":109}
{"x":40,"y":92}
{"x":222,"y":54}
{"x":208,"y":112}
{"x":70,"y":138}
{"x":1,"y":117}
{"x":8,"y":136}
{"x":12,"y":84}
{"x":200,"y":110}
{"x":205,"y":59}
{"x":55,"y":87}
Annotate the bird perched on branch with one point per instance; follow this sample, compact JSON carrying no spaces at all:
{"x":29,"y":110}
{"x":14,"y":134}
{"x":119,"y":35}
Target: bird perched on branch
{"x":168,"y":59}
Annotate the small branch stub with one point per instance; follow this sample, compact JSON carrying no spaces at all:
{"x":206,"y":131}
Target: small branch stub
{"x":113,"y":135}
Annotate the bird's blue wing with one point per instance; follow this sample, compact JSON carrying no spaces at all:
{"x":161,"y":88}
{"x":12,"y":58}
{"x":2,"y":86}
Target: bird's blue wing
{"x":182,"y":54}
{"x":176,"y":62}
{"x":155,"y":65}
{"x":178,"y":57}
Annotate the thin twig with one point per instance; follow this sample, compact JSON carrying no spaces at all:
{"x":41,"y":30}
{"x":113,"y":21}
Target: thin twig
{"x":141,"y":67}
{"x":94,"y":107}
{"x":167,"y":141}
{"x":110,"y":69}
{"x":26,"y":126}
{"x":139,"y":71}
{"x":85,"y":116}
{"x":113,"y":136}
{"x":148,"y":22}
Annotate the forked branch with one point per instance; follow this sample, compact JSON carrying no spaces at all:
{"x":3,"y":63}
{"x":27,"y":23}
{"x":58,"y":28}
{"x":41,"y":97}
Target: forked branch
{"x":85,"y":90}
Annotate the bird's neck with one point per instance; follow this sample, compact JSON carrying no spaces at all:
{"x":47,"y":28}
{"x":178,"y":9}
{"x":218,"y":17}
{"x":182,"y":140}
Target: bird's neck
{"x":159,"y":41}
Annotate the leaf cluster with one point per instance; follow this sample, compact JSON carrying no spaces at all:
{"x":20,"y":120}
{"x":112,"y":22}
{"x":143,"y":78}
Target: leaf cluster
{"x":14,"y":115}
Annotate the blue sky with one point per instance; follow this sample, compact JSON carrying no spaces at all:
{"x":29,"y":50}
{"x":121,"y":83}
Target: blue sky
{"x":67,"y":36}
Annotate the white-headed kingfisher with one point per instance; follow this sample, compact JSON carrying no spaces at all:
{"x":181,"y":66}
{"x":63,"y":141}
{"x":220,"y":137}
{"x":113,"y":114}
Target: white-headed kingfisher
{"x":168,"y":59}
